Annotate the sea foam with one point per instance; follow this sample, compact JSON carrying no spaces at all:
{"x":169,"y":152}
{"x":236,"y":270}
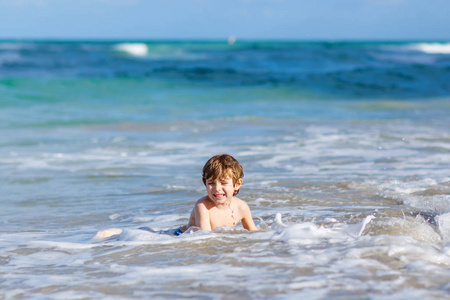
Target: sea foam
{"x":134,"y":49}
{"x":433,"y":48}
{"x":444,"y":226}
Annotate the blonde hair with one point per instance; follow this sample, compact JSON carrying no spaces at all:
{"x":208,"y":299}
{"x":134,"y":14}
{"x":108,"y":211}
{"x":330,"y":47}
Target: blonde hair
{"x":222,"y":166}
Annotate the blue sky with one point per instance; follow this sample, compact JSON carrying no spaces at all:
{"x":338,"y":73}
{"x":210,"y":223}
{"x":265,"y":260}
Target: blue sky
{"x":219,"y":19}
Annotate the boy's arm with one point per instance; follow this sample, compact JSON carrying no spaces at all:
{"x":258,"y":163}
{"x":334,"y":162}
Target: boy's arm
{"x":247,"y":220}
{"x":202,"y":216}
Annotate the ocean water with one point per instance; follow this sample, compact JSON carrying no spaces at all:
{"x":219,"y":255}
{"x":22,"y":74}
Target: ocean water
{"x":345,"y":148}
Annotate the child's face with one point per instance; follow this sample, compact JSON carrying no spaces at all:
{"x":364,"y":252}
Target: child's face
{"x":222,"y":190}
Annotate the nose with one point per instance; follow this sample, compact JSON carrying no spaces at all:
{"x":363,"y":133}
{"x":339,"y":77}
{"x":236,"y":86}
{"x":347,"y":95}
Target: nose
{"x":218,"y":186}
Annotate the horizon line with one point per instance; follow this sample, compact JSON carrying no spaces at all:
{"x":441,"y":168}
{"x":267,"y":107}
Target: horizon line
{"x":215,"y":40}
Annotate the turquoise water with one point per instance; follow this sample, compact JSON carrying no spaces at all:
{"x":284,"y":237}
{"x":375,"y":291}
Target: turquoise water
{"x":345,"y":149}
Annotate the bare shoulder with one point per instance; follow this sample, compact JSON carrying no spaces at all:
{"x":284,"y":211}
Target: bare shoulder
{"x":202,"y":202}
{"x":200,"y":214}
{"x":246,"y":215}
{"x":241,"y":204}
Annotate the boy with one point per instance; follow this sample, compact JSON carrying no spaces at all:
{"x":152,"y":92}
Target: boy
{"x":222,"y":176}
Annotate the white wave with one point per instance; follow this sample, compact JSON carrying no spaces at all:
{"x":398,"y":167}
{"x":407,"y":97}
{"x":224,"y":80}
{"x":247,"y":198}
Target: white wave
{"x":307,"y":233}
{"x":134,"y":49}
{"x":426,"y":194}
{"x":416,"y":228}
{"x":419,"y":58}
{"x":444,"y":226}
{"x":432,"y":48}
{"x":15,"y":46}
{"x":62,"y":245}
{"x":135,"y":235}
{"x":10,"y":58}
{"x":162,"y":221}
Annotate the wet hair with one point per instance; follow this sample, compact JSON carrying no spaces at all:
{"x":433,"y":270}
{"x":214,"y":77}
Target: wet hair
{"x":222,"y":166}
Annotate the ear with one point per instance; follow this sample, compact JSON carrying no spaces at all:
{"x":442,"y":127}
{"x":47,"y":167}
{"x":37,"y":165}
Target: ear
{"x":237,"y":184}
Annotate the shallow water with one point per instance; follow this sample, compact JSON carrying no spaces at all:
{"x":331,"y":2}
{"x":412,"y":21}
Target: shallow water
{"x":350,"y":187}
